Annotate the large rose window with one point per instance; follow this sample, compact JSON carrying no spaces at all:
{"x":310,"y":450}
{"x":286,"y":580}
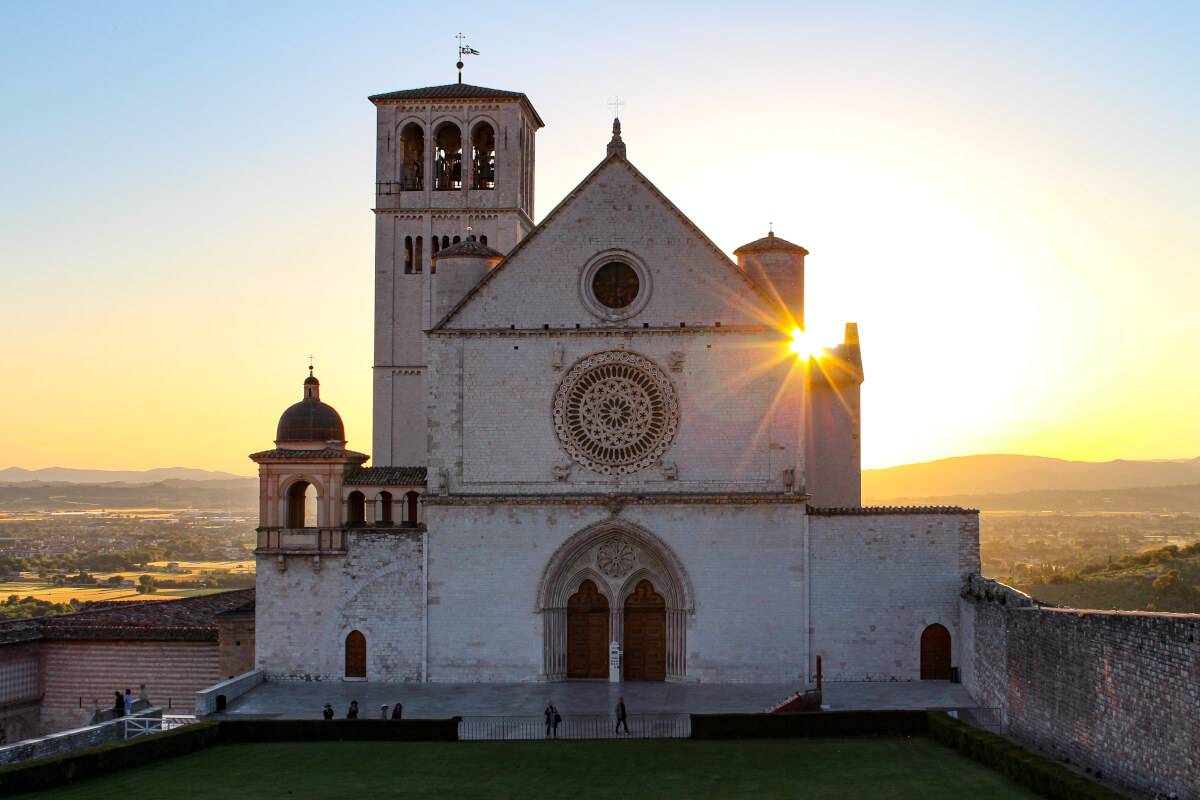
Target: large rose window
{"x":616,"y":412}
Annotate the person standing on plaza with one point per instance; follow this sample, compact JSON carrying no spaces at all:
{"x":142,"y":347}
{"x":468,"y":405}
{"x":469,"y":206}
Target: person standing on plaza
{"x":383,"y":711}
{"x":118,"y":705}
{"x":397,"y":711}
{"x":621,"y":715}
{"x":327,"y":712}
{"x":352,"y":713}
{"x":552,"y":720}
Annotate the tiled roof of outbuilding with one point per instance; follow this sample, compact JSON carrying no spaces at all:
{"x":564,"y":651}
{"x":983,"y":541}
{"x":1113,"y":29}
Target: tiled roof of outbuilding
{"x":19,"y":630}
{"x":386,"y":476}
{"x":846,"y":511}
{"x":188,"y":619}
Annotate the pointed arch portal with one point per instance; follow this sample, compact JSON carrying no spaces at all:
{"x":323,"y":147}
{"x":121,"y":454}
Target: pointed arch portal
{"x":614,"y":581}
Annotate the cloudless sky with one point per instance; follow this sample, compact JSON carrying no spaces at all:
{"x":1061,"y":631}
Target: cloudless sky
{"x":1005,"y":198}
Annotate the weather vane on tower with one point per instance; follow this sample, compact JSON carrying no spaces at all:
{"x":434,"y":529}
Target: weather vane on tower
{"x":463,"y":50}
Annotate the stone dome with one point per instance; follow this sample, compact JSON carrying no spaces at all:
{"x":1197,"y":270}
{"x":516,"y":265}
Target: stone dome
{"x":310,"y":420}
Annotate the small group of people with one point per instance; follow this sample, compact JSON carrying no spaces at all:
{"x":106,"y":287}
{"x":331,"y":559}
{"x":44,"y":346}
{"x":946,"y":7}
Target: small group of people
{"x":553,"y":718}
{"x":352,"y":712}
{"x":122,"y":703}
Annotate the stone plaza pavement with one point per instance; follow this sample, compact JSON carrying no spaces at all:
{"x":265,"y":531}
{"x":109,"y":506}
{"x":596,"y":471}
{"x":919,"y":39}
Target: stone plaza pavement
{"x":304,"y":700}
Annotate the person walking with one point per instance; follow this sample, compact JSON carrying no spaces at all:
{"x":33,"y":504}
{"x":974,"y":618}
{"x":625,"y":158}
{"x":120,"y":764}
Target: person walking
{"x":397,"y":711}
{"x":621,"y":715}
{"x":352,"y":713}
{"x":552,"y":720}
{"x":128,"y":701}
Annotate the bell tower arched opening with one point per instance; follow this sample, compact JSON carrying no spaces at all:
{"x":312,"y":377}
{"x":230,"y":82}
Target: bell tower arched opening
{"x":412,"y":158}
{"x":483,"y":157}
{"x":301,"y":505}
{"x":447,"y":154}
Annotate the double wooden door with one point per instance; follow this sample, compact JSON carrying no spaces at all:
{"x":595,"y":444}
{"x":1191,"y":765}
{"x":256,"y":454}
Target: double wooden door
{"x":645,"y":634}
{"x":587,"y":633}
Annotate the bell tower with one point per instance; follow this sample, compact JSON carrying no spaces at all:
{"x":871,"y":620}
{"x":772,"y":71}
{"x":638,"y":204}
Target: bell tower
{"x":452,"y":162}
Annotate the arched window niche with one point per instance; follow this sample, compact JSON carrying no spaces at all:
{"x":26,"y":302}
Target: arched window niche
{"x":412,"y":157}
{"x":447,"y":164}
{"x":356,"y":508}
{"x":483,"y":157}
{"x":411,"y":510}
{"x":302,"y":505}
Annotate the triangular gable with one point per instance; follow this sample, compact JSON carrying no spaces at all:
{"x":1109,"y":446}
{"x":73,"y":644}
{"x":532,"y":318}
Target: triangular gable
{"x":615,"y":160}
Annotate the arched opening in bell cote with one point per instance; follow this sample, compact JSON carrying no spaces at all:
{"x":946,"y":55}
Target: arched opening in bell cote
{"x":448,"y":157}
{"x":412,"y":157}
{"x":483,"y":157}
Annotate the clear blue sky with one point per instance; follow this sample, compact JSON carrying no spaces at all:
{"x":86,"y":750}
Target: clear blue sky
{"x":1004,"y":197}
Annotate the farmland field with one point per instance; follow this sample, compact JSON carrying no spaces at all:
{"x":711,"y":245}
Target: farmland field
{"x":88,"y":594}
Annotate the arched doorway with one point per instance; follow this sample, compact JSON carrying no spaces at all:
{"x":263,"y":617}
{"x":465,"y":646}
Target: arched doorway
{"x":587,"y":633}
{"x":645,"y":634}
{"x":935,"y":653}
{"x":356,"y":655}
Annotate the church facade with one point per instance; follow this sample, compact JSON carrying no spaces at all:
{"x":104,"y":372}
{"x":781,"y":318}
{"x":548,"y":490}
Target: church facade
{"x":589,"y":434}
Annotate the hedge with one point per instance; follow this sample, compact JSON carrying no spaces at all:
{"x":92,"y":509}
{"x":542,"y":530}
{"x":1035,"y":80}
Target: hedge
{"x":42,"y":773}
{"x":826,"y":723}
{"x":1040,"y":774}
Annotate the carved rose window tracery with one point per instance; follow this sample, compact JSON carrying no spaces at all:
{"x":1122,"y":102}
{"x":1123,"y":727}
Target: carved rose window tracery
{"x":616,"y":412}
{"x":615,"y":558}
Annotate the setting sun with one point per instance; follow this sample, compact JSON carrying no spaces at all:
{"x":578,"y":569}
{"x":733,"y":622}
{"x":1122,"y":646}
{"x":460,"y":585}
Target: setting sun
{"x":802,"y":345}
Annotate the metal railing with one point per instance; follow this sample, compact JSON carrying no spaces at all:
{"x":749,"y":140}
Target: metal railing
{"x":577,"y":726}
{"x":140,"y":726}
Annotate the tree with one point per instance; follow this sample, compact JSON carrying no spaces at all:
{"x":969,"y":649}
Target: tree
{"x":116,"y":580}
{"x":1167,"y":583}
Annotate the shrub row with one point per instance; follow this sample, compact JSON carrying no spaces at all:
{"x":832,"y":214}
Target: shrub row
{"x":826,"y":723}
{"x":42,"y":773}
{"x":1032,"y":771}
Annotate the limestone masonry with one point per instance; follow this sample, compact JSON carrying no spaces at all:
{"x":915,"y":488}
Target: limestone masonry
{"x":588,"y":431}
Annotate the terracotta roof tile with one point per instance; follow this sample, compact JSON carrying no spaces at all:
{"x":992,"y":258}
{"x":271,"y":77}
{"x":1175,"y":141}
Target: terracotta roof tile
{"x":187,"y":619}
{"x":386,"y":476}
{"x":328,"y":452}
{"x":456,"y":91}
{"x":768,"y":243}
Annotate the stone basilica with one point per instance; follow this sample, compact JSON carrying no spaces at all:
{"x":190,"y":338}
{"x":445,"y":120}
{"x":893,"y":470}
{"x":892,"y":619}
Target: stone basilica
{"x":589,"y":434}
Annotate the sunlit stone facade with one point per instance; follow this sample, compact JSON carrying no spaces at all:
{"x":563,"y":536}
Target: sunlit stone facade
{"x":586,"y":432}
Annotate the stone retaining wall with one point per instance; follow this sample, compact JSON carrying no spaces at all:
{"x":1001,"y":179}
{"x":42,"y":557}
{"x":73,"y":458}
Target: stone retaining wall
{"x":1116,"y":692}
{"x":206,"y":699}
{"x":67,"y":741}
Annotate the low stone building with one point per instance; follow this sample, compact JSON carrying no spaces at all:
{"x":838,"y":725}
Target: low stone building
{"x":56,"y":672}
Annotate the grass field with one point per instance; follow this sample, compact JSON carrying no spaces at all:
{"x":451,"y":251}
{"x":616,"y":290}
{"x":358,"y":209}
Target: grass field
{"x":200,"y":566}
{"x":815,"y":769}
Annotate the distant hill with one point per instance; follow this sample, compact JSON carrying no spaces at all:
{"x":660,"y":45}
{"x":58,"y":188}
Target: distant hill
{"x":67,"y":475}
{"x":1008,"y":474}
{"x":234,"y":494}
{"x":1147,"y":499}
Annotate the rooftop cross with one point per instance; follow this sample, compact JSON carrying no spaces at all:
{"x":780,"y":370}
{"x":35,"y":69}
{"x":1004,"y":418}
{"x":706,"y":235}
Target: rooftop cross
{"x":615,"y":102}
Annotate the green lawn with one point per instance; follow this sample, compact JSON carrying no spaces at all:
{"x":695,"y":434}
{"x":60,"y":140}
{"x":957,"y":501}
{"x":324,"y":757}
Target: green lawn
{"x":880,"y":769}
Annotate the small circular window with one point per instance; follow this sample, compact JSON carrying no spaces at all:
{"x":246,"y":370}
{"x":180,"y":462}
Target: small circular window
{"x":615,"y":284}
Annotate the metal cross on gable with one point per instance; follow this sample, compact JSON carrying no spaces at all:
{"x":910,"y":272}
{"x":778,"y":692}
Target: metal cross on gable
{"x":615,"y":102}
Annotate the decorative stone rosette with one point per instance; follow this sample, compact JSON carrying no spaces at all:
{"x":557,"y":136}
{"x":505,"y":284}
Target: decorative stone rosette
{"x":615,"y":558}
{"x":616,"y":412}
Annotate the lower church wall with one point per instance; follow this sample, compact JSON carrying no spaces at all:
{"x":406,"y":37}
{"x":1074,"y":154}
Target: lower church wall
{"x":878,"y":580}
{"x":743,"y":563}
{"x":1116,"y":692}
{"x":303,"y":615}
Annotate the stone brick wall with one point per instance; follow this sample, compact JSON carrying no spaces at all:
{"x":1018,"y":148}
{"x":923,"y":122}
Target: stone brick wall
{"x":1117,"y":692}
{"x":206,"y":698}
{"x":69,"y":740}
{"x":303,"y":616}
{"x":879,"y":578}
{"x":80,"y":675}
{"x":236,"y":644}
{"x":20,"y":690}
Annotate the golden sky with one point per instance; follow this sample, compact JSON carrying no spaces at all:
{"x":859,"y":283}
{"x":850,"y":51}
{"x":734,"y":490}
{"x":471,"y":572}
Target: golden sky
{"x":1005,"y":201}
